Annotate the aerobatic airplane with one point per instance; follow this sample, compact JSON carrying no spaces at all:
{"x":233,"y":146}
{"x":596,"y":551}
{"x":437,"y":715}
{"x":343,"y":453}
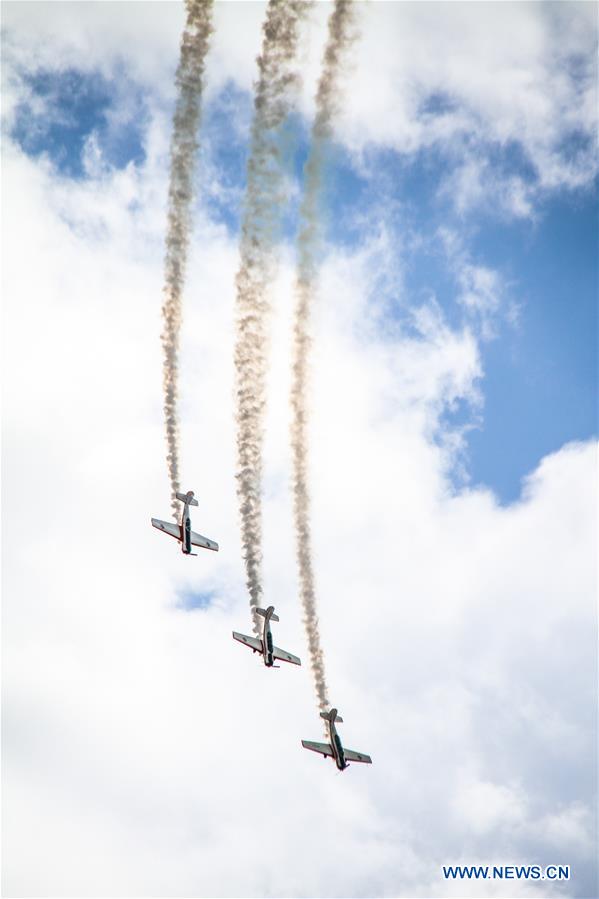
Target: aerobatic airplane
{"x":265,"y":645}
{"x":335,"y":748}
{"x":183,"y":531}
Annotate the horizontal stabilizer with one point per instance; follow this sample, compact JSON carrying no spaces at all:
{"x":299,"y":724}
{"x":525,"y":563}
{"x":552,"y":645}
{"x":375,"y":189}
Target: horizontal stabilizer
{"x":327,"y":717}
{"x":263,"y":612}
{"x":187,"y":498}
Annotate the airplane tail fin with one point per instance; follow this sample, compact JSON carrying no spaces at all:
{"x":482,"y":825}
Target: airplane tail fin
{"x":186,"y":498}
{"x":327,"y":716}
{"x":263,"y":612}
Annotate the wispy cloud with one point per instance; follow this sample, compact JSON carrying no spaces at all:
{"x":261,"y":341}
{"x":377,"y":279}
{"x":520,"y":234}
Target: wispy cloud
{"x":483,"y":293}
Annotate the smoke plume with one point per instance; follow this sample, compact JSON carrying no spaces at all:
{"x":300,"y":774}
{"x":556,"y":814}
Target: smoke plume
{"x":261,"y":218}
{"x":339,"y":37}
{"x":183,"y":152}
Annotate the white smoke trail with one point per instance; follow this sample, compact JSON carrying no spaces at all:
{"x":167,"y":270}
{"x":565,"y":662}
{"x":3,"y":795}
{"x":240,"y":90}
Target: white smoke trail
{"x":339,"y":37}
{"x":262,"y":213}
{"x":184,"y":146}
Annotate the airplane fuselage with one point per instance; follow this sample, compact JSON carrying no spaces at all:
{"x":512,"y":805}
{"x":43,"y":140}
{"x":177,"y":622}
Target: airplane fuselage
{"x":334,"y":748}
{"x":337,"y":746}
{"x":181,"y":530}
{"x":262,"y":642}
{"x":186,"y":530}
{"x":267,"y":644}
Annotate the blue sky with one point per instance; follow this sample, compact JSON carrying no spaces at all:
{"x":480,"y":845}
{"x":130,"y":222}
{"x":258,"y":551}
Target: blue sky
{"x":541,"y":379}
{"x":63,"y":110}
{"x":539,"y":370}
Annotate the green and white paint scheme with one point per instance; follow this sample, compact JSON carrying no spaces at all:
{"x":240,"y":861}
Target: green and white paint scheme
{"x":335,"y":748}
{"x":183,"y":531}
{"x":265,"y":645}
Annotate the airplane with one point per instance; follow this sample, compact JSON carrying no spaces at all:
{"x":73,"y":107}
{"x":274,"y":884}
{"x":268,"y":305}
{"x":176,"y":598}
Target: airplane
{"x":183,"y":531}
{"x":335,"y":748}
{"x":265,"y":645}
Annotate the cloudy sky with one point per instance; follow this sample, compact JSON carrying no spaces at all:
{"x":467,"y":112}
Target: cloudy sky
{"x":453,"y":463}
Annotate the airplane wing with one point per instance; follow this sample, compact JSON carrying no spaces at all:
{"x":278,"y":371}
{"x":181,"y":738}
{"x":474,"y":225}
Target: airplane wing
{"x":351,"y":756}
{"x":252,"y":642}
{"x":168,"y":527}
{"x":323,"y":748}
{"x":285,"y":656}
{"x":198,"y":540}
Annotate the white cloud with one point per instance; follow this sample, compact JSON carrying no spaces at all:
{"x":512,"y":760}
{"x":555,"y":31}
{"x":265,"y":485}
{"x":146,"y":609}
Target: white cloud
{"x":483,"y":293}
{"x":143,"y":38}
{"x":474,"y":185}
{"x":470,"y":79}
{"x":144,"y":752}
